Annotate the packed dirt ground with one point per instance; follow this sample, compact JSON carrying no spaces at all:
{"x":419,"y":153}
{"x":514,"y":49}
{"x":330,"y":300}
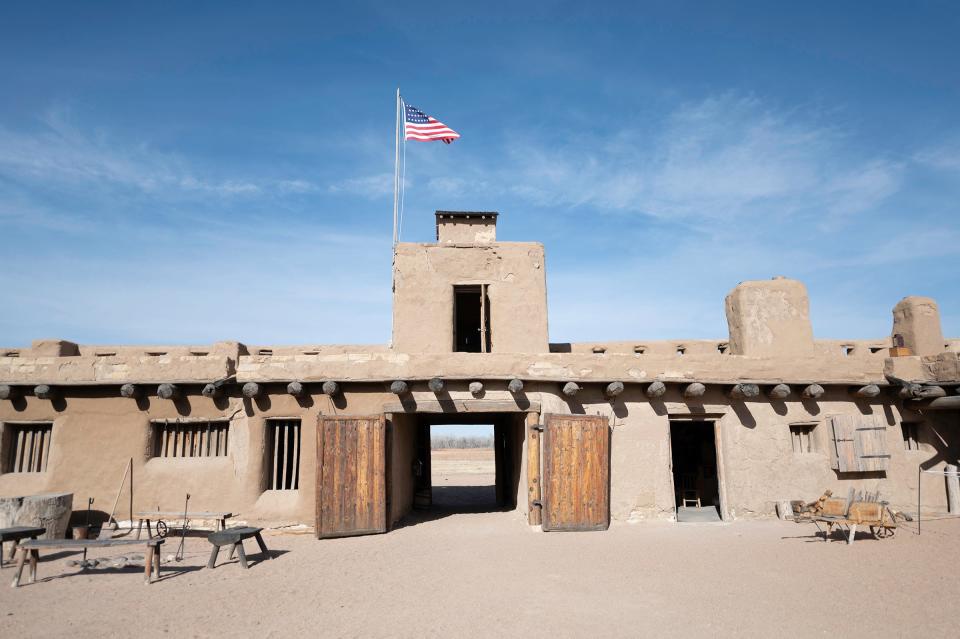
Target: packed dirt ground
{"x":485,"y":573}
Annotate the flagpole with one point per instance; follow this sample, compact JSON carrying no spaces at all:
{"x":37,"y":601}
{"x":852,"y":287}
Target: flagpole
{"x":396,"y":170}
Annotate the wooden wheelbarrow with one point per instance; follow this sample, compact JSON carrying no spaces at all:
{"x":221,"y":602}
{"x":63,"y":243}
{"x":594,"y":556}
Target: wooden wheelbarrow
{"x":849,"y":514}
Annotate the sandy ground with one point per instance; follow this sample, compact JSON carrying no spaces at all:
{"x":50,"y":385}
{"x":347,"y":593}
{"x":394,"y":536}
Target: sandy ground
{"x":469,"y":461}
{"x":485,"y":573}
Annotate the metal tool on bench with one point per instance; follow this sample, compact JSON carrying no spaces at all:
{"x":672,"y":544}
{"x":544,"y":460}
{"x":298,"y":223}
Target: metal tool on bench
{"x":183,"y":531}
{"x":110,"y":525}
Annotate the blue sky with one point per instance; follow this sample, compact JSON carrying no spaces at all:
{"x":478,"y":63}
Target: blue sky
{"x":187,"y":172}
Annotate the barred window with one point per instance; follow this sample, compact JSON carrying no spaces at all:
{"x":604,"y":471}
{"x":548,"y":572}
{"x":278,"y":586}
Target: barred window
{"x":909,"y":430}
{"x":802,"y":438}
{"x":191,"y":439}
{"x":26,"y":447}
{"x":283,"y":441}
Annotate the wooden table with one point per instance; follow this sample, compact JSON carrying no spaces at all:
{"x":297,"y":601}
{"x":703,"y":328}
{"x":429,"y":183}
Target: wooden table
{"x":15,"y":534}
{"x":147,"y":515}
{"x":32,"y":547}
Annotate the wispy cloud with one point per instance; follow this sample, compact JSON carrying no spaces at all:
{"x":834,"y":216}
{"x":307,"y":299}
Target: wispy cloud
{"x":719,"y":159}
{"x":945,"y":157}
{"x":368,"y":186}
{"x":61,"y":154}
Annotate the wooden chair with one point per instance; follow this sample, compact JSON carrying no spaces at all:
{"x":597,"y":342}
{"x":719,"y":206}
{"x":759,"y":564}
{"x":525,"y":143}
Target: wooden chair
{"x":688,"y":491}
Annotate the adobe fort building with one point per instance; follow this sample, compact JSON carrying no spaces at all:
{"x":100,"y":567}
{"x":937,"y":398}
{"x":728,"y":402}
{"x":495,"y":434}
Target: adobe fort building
{"x":338,"y":436}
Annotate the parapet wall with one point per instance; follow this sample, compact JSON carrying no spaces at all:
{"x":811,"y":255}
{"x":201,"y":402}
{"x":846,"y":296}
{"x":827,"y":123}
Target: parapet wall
{"x":770,"y":341}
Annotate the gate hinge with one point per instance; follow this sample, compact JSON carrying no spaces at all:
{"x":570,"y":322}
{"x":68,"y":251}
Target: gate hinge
{"x":537,"y":427}
{"x":537,"y":503}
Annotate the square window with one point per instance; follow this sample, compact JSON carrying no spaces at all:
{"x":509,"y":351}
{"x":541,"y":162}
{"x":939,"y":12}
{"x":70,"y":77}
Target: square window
{"x":801,"y":437}
{"x":26,"y":447}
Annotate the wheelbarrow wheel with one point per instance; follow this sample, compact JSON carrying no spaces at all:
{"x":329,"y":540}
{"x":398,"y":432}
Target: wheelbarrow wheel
{"x":881,"y":532}
{"x":161,"y":529}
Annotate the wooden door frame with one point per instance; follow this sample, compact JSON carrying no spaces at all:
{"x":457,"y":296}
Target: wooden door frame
{"x":534,"y":429}
{"x":714,"y":420}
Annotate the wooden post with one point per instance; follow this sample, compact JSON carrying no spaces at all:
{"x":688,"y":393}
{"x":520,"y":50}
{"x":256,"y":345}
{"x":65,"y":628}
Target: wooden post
{"x":148,"y":563}
{"x":515,"y":386}
{"x":330,"y":388}
{"x":813,"y":391}
{"x":953,"y":488}
{"x":435,"y":385}
{"x":211,"y":390}
{"x":613,"y":389}
{"x":168,"y":391}
{"x":476,"y":388}
{"x":780,"y":391}
{"x":745,"y":391}
{"x":483,"y":318}
{"x":295,"y":389}
{"x":21,"y":559}
{"x":130,"y":391}
{"x":696,"y":389}
{"x":533,"y":471}
{"x":868,"y":391}
{"x":251,"y":389}
{"x":44,"y":391}
{"x":656,"y":389}
{"x":7,"y":391}
{"x":570,"y":389}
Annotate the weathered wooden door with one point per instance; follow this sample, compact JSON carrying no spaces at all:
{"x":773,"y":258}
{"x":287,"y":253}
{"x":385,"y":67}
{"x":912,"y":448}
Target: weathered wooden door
{"x":351,"y":477}
{"x":576,"y":471}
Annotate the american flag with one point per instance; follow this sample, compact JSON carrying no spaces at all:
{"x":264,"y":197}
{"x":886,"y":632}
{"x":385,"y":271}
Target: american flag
{"x":419,"y":126}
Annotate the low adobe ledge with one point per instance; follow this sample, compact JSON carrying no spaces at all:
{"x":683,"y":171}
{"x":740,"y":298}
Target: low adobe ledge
{"x":944,"y":367}
{"x":587,"y":367}
{"x":143,"y":369}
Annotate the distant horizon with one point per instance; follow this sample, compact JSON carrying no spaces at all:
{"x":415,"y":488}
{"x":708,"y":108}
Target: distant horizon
{"x":473,"y":431}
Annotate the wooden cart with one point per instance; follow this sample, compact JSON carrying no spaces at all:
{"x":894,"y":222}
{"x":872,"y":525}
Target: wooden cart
{"x":849,"y":514}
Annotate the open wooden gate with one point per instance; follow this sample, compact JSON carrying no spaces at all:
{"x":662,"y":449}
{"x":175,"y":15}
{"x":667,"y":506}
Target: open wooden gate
{"x":351,"y":477}
{"x":576,"y":472}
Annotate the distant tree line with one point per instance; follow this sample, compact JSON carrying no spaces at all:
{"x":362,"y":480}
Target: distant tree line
{"x":451,"y":441}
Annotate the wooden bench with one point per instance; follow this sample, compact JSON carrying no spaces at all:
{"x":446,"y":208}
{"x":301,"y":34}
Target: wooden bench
{"x":15,"y":534}
{"x":32,"y":547}
{"x":147,"y":515}
{"x":234,"y":538}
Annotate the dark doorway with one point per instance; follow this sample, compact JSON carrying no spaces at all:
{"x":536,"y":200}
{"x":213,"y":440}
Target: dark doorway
{"x":695,"y":481}
{"x":471,"y":319}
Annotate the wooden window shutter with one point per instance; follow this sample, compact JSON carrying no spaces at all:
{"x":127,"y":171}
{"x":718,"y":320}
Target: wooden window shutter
{"x":859,"y":444}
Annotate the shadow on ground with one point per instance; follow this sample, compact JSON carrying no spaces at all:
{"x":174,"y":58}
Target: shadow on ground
{"x":455,"y":500}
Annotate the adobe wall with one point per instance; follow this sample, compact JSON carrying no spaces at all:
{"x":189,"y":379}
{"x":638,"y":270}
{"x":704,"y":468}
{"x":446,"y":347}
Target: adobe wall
{"x":95,"y":433}
{"x":402,"y":486}
{"x":758,"y":466}
{"x":424,"y":277}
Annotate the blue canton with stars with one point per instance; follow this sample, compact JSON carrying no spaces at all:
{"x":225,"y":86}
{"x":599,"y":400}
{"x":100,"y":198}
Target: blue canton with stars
{"x":415,"y":115}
